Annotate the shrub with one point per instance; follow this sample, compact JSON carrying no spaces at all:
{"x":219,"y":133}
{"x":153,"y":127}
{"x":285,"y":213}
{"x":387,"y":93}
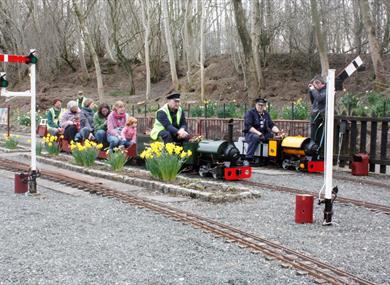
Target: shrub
{"x":85,"y":154}
{"x":348,"y":103}
{"x":11,"y":141}
{"x":165,"y":161}
{"x":117,"y":159}
{"x":51,"y":144}
{"x":301,"y":111}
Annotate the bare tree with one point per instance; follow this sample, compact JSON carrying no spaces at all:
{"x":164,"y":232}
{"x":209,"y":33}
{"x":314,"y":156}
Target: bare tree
{"x":168,"y":41}
{"x":202,"y":16}
{"x":81,"y":16}
{"x":374,"y":45}
{"x":256,"y":37}
{"x":321,"y":40}
{"x":146,"y":23}
{"x":253,"y":87}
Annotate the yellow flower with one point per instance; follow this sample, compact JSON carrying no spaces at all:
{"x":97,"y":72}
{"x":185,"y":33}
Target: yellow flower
{"x":189,"y":152}
{"x":50,"y":144}
{"x":143,"y":154}
{"x":183,"y":154}
{"x":61,"y":136}
{"x":99,"y":146}
{"x":178,"y":149}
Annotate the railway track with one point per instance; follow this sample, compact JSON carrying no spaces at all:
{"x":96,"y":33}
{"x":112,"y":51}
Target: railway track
{"x":371,"y":206}
{"x":362,"y":181}
{"x":320,"y":271}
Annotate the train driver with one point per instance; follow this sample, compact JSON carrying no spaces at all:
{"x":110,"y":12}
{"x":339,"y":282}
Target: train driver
{"x":170,"y":124}
{"x":258,"y":127}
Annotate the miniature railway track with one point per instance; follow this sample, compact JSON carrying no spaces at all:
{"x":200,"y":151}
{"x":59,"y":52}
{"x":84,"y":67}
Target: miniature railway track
{"x":289,"y":258}
{"x":362,"y":181}
{"x":371,"y":206}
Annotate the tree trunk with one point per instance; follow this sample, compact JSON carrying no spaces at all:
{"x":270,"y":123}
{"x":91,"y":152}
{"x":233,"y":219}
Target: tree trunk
{"x":321,"y":41}
{"x":91,"y":49}
{"x":187,"y":38}
{"x":146,"y":23}
{"x":124,"y":61}
{"x":374,"y":46}
{"x":246,"y":42}
{"x":256,"y":34}
{"x":168,"y":40}
{"x":357,"y":27}
{"x":83,"y":65}
{"x":202,"y":15}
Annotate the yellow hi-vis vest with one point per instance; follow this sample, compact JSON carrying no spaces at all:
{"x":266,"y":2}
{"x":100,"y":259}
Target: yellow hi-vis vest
{"x":53,"y":115}
{"x":158,"y":127}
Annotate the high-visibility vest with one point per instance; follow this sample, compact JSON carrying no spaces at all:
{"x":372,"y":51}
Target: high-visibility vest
{"x":158,"y":127}
{"x":53,"y":115}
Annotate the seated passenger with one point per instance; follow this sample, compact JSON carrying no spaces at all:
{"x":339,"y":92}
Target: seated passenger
{"x":100,"y":123}
{"x":86,"y":121}
{"x":116,"y":121}
{"x":129,"y":132}
{"x":53,"y":118}
{"x":170,"y":123}
{"x":258,"y":127}
{"x":70,"y":121}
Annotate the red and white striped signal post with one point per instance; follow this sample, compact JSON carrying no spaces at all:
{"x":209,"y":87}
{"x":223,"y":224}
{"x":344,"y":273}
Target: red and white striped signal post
{"x":32,"y":60}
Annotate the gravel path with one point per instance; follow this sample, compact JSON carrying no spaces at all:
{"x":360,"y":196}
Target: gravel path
{"x":313,"y":183}
{"x":57,"y":238}
{"x":359,"y":241}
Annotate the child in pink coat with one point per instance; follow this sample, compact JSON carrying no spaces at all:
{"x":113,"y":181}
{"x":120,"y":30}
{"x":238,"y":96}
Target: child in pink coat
{"x":129,"y":132}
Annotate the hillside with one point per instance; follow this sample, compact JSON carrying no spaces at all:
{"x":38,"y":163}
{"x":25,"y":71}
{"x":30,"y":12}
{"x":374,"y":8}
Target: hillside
{"x":286,"y":80}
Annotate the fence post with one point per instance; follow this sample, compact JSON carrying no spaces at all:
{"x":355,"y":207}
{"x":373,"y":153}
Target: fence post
{"x":205,"y":119}
{"x":8,"y":126}
{"x":244,"y":108}
{"x":189,"y":110}
{"x":292,"y":111}
{"x":145,"y":111}
{"x":349,"y":108}
{"x":384,"y":109}
{"x":224,"y":110}
{"x":132,"y":110}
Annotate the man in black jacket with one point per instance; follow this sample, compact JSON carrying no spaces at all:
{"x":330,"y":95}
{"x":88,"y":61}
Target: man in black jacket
{"x":258,"y":127}
{"x":317,"y":94}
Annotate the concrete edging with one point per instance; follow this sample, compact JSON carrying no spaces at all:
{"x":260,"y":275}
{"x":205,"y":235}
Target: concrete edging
{"x":155,"y":185}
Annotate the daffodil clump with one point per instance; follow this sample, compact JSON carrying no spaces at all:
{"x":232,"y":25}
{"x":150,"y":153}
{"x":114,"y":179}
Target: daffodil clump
{"x":117,"y":158}
{"x":11,"y":141}
{"x":85,"y":154}
{"x":165,"y":161}
{"x":51,"y":144}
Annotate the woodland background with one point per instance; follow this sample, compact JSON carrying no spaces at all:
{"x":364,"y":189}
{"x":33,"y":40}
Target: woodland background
{"x":216,"y":50}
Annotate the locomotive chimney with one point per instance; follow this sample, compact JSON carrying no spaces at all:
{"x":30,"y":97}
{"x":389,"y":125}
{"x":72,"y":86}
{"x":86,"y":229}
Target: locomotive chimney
{"x":230,"y":131}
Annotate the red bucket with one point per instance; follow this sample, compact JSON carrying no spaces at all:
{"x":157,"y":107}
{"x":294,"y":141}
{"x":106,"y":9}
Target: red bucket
{"x":21,"y":183}
{"x":304,"y":208}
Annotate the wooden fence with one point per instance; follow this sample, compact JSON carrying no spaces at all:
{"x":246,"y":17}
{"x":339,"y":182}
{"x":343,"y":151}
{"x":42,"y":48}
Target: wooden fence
{"x":352,"y":134}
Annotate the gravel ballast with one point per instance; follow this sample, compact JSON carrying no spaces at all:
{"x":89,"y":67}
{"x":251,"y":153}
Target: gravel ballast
{"x":55,"y":238}
{"x":359,"y":240}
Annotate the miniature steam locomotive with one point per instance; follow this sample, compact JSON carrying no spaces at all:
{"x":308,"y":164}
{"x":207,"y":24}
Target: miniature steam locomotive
{"x":291,"y":152}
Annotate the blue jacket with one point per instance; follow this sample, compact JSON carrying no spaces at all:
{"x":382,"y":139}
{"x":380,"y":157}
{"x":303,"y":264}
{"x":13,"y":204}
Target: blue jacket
{"x":261,"y":122}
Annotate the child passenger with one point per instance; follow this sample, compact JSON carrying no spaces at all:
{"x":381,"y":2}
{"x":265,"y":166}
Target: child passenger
{"x":129,"y":132}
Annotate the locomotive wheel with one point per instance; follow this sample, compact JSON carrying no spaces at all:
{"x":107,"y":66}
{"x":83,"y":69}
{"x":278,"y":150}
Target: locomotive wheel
{"x":285,"y":164}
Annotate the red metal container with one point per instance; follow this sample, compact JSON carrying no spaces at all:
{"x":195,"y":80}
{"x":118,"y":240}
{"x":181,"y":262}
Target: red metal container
{"x":304,"y":208}
{"x":360,"y":164}
{"x":21,"y":183}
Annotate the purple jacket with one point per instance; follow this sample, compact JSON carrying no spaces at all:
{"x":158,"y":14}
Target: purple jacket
{"x":68,"y":118}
